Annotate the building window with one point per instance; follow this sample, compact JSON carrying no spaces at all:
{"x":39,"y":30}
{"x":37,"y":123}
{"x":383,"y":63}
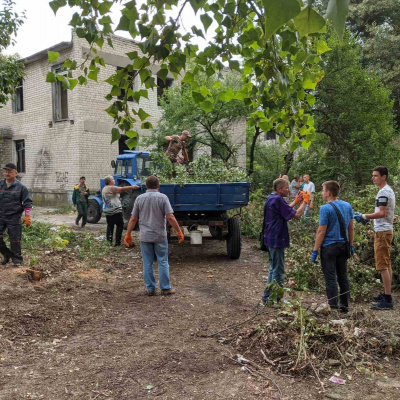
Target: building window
{"x":60,"y":97}
{"x":270,"y":135}
{"x":20,"y":151}
{"x":161,"y":86}
{"x":18,"y":100}
{"x":131,"y":77}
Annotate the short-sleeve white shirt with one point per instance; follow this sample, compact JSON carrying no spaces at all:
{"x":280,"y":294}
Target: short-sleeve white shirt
{"x":309,"y":187}
{"x":387,"y":198}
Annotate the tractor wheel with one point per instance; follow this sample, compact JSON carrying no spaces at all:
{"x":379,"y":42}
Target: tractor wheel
{"x":94,"y":213}
{"x":234,"y":239}
{"x":127,"y":200}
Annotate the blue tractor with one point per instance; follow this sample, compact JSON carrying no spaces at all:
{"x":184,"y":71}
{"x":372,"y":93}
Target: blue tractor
{"x":194,"y":204}
{"x":131,"y":168}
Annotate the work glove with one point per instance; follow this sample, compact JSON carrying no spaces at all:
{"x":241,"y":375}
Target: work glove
{"x":306,"y":197}
{"x":128,"y":240}
{"x":314,"y":256}
{"x":298,"y":198}
{"x":311,"y":204}
{"x":360,"y":218}
{"x":352,"y":251}
{"x":181,"y":237}
{"x":27,"y":221}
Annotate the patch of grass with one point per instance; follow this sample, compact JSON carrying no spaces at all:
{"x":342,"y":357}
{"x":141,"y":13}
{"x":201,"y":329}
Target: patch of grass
{"x":64,"y":209}
{"x":42,"y":236}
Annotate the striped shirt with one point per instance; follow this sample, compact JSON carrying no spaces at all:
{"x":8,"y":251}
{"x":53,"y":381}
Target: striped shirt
{"x":276,"y":214}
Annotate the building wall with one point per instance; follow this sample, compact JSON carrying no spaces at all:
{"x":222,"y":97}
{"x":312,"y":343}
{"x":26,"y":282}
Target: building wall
{"x":58,"y":153}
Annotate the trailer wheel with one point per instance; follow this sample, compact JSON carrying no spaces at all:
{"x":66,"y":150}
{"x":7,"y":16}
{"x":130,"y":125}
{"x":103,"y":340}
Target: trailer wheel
{"x":216,"y":231}
{"x":234,"y":239}
{"x":94,"y":213}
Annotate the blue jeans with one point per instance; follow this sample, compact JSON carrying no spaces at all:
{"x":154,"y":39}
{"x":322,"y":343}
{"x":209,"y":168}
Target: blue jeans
{"x":160,"y":249}
{"x":276,"y":268}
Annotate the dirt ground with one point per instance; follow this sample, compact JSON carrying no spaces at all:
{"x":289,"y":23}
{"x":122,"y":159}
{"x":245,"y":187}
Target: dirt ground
{"x":91,"y":333}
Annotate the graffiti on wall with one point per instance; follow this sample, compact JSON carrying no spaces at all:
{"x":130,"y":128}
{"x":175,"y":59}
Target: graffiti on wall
{"x":42,"y":168}
{"x":62,"y":179}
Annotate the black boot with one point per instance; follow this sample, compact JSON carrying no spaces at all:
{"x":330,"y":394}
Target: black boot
{"x":6,"y":259}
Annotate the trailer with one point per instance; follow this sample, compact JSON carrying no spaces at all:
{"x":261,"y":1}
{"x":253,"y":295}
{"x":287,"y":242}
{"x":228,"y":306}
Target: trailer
{"x":194,"y":204}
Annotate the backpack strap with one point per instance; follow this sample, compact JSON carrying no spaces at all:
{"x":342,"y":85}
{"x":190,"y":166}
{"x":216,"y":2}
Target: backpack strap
{"x":339,"y":215}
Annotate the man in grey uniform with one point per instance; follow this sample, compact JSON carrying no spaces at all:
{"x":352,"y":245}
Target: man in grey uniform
{"x":152,"y":209}
{"x":14,"y":200}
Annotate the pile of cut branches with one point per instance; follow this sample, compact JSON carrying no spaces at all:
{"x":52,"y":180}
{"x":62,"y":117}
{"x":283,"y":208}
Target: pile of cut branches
{"x":299,"y":342}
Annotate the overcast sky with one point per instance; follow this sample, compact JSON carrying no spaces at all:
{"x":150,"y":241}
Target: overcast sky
{"x":42,"y":29}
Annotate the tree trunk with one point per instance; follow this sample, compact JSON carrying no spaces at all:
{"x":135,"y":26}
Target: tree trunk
{"x":253,"y":148}
{"x":289,"y":156}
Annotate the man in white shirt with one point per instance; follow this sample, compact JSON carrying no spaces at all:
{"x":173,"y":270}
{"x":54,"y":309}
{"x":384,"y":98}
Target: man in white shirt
{"x":309,"y":187}
{"x":383,"y":217}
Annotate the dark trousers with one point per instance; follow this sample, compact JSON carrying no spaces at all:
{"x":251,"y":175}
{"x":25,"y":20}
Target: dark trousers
{"x":118,"y":221}
{"x":334,"y":267}
{"x":82,"y":212}
{"x":14,"y":233}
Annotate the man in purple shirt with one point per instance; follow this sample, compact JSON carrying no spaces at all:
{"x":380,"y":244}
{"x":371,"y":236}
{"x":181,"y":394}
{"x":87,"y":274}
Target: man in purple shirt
{"x":275,"y":230}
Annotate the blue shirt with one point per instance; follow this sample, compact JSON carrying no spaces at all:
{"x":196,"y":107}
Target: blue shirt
{"x":328,"y":217}
{"x":276,"y":214}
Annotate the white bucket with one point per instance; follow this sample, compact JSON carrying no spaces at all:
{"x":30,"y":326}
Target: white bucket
{"x":196,"y":237}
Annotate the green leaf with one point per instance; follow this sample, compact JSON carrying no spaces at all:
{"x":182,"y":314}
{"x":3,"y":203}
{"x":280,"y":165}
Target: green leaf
{"x":309,"y":21}
{"x":132,"y":142}
{"x":207,"y":106}
{"x":56,"y":4}
{"x":105,"y":7}
{"x":309,"y":84}
{"x":93,"y":75}
{"x":265,"y":125}
{"x":50,"y":77}
{"x":188,"y":77}
{"x":310,"y":99}
{"x":52,"y":56}
{"x":305,"y":144}
{"x":217,"y":84}
{"x":115,"y":135}
{"x":337,"y":12}
{"x":233,"y":64}
{"x":278,"y":13}
{"x":206,"y":20}
{"x":131,"y":134}
{"x":322,"y":47}
{"x":143,"y":114}
{"x":124,"y":23}
{"x":147,"y":125}
{"x":72,"y":83}
{"x":162,"y":74}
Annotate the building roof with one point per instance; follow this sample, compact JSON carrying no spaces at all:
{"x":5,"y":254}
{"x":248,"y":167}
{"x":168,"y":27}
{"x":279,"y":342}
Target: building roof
{"x":43,"y":53}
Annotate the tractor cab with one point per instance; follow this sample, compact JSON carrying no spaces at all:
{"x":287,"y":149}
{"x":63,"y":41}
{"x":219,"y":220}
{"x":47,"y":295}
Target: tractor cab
{"x":132,"y":166}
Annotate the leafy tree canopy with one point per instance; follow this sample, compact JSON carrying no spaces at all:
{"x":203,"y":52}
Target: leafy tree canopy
{"x":376,"y":24}
{"x":275,"y":44}
{"x":354,"y":116}
{"x":10,"y":68}
{"x":180,"y":111}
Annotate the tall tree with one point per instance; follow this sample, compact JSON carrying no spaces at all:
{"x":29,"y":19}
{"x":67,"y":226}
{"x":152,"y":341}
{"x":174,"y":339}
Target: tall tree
{"x":10,"y":68}
{"x":354,"y":113}
{"x":376,"y":24}
{"x":180,"y":111}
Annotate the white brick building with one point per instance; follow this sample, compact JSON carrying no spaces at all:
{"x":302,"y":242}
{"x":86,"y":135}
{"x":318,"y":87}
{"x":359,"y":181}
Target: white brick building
{"x":56,"y":136}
